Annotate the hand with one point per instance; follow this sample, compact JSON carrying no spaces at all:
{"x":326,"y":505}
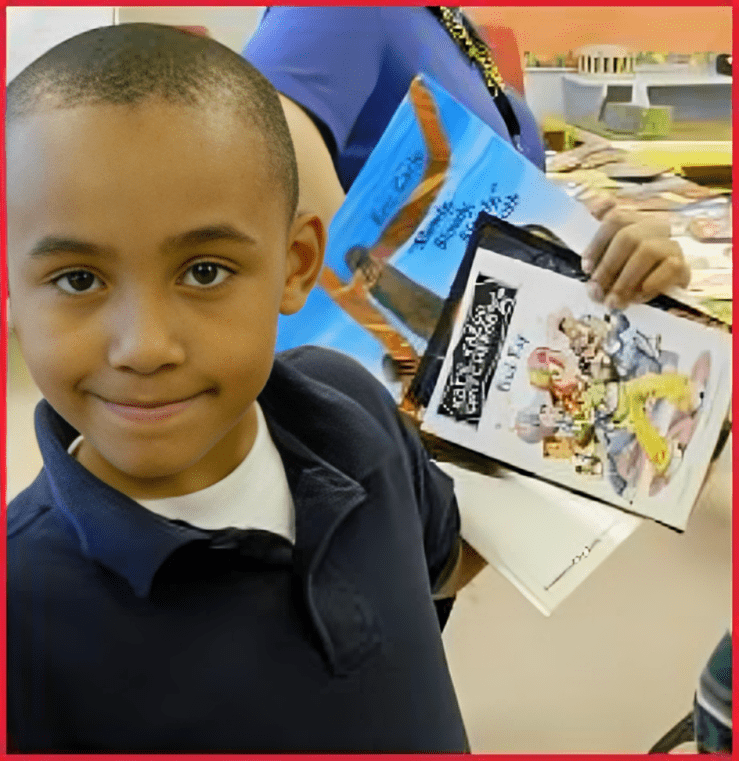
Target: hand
{"x":597,"y":202}
{"x":632,"y":259}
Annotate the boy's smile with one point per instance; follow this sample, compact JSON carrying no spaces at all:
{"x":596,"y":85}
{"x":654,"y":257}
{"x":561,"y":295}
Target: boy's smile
{"x":149,"y":257}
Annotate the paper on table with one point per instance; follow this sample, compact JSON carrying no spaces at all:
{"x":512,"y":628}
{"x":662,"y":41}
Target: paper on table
{"x":545,"y":540}
{"x":712,"y":283}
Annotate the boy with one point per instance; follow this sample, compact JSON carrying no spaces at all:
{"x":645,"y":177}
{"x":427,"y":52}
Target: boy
{"x":224,"y":551}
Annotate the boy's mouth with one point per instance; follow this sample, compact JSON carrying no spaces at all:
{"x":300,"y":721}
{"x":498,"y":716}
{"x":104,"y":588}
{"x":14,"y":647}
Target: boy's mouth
{"x":149,"y":411}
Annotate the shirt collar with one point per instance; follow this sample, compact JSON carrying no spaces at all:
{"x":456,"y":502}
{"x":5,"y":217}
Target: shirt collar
{"x":112,"y":529}
{"x":303,"y":415}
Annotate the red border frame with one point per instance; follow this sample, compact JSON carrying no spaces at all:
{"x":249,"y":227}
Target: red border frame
{"x":4,"y":368}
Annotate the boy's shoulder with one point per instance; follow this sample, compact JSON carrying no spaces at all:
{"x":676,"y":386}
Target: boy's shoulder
{"x":36,"y":533}
{"x":334,"y":405}
{"x":28,"y":508}
{"x":331,"y":371}
{"x":337,"y":370}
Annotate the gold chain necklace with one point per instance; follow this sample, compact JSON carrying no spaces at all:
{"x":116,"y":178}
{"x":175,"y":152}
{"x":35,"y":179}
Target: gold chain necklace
{"x":473,"y":46}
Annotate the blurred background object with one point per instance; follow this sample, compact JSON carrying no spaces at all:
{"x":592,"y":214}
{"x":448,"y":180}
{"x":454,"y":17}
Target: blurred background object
{"x":605,"y":59}
{"x":678,"y":47}
{"x":723,"y":63}
{"x":230,"y":25}
{"x":504,"y":46}
{"x":33,"y":31}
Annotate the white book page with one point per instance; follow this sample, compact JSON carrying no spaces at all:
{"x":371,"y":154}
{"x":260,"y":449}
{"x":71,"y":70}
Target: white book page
{"x":545,"y":540}
{"x":624,"y":406}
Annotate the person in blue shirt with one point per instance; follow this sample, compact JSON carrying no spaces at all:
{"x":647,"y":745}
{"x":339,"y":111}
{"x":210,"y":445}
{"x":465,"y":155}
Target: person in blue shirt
{"x":225,"y":551}
{"x":343,"y":71}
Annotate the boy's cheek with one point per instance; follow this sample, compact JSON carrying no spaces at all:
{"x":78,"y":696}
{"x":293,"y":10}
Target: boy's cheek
{"x":43,"y":364}
{"x":51,"y":352}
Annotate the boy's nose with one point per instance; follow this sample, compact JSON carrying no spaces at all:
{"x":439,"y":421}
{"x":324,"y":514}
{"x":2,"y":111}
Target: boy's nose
{"x":145,"y":335}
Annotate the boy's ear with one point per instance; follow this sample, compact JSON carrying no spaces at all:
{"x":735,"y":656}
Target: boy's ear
{"x":307,"y":242}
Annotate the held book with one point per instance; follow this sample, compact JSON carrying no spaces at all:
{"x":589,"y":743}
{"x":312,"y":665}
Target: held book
{"x":396,"y":243}
{"x":623,"y":406}
{"x":544,"y":539}
{"x":398,"y":261}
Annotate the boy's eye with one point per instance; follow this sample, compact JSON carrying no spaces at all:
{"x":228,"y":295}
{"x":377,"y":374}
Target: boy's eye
{"x":206,"y":274}
{"x":78,"y":281}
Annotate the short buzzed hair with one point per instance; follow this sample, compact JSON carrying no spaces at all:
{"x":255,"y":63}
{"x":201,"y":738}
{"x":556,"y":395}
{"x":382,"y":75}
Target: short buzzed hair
{"x":129,"y":63}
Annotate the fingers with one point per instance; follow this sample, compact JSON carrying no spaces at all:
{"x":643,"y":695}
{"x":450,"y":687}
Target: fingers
{"x":671,"y":271}
{"x":619,"y":275}
{"x":654,"y":266}
{"x":613,"y":221}
{"x":633,"y":252}
{"x":598,"y":203}
{"x":633,"y":260}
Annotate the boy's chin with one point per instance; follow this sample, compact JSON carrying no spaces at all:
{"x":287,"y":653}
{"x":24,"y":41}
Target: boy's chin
{"x":140,"y":475}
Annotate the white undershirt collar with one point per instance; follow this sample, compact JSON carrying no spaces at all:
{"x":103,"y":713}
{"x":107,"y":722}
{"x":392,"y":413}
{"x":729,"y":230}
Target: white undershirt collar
{"x":255,"y":495}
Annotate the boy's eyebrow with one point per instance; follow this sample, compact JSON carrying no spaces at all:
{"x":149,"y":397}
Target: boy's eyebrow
{"x":55,"y":245}
{"x":52,"y":244}
{"x":209,"y":234}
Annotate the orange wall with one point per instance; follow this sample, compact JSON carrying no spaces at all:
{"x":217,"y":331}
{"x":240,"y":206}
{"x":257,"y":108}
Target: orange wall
{"x":550,"y":30}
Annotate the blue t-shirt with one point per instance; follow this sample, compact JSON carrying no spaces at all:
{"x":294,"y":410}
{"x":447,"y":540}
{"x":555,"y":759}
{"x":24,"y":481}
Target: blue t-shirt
{"x":351,"y":67}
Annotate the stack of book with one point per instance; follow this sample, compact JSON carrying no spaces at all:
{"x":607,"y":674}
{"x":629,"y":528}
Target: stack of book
{"x":452,"y":273}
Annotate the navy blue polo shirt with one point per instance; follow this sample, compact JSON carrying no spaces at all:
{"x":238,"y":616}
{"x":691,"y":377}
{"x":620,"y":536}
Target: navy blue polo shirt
{"x":129,"y":632}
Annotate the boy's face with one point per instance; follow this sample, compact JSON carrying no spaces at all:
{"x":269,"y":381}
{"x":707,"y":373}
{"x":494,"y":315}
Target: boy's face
{"x":149,"y":257}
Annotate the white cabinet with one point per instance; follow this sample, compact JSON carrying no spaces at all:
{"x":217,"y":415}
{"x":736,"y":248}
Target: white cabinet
{"x":564,"y":93}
